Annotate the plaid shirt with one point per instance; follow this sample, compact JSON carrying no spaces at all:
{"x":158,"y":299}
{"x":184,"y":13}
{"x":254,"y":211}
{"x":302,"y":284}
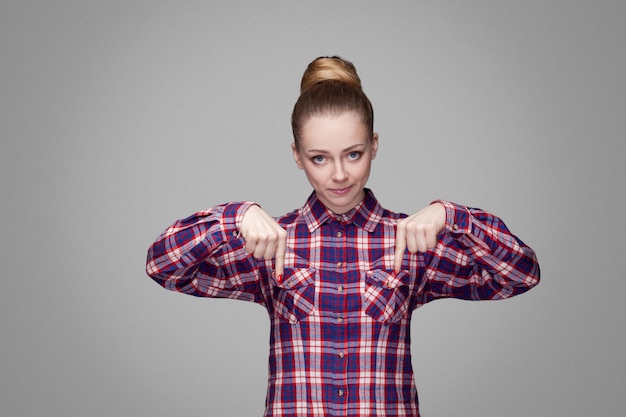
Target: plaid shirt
{"x":340,"y":318}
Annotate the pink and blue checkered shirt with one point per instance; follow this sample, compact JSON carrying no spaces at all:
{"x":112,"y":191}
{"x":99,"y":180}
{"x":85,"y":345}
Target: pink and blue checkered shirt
{"x":340,"y":318}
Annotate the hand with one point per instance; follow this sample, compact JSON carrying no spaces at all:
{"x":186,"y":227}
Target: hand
{"x":419,"y":231}
{"x":264,"y":237}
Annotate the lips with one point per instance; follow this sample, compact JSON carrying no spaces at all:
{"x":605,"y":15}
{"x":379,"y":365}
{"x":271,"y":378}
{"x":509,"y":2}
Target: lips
{"x":340,"y":191}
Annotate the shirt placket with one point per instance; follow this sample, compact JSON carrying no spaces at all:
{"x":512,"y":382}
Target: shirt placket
{"x":340,"y":354}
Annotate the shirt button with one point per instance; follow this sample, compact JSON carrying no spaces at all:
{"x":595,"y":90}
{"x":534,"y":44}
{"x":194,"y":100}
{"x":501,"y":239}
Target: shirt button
{"x":341,"y":355}
{"x":339,"y":234}
{"x":340,"y":288}
{"x":293,"y":320}
{"x":339,"y":319}
{"x":339,"y":264}
{"x":340,"y":393}
{"x":455,"y":227}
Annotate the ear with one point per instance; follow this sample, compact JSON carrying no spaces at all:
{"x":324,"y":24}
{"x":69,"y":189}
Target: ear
{"x":296,"y":155}
{"x":374,"y":145}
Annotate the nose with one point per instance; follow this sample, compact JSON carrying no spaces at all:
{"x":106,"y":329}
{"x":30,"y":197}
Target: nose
{"x":339,"y":173}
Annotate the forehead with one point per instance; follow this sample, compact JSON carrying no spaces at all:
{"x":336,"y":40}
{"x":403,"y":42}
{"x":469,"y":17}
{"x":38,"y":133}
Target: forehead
{"x":333,"y":132}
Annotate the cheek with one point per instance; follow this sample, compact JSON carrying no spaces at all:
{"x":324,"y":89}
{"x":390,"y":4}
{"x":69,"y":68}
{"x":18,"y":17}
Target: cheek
{"x":364,"y":169}
{"x":313,"y":173}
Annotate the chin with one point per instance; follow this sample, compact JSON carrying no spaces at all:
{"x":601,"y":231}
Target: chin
{"x":340,"y":206}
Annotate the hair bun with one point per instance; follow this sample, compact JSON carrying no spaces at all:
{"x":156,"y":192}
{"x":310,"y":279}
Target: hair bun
{"x":329,"y":69}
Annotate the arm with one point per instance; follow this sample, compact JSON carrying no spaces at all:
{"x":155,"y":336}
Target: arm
{"x":474,"y":256}
{"x":203,"y":255}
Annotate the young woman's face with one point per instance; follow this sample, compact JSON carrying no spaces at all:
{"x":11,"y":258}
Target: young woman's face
{"x":336,"y":154}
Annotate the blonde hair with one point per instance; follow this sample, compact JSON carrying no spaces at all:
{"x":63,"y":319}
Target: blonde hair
{"x":330,"y":86}
{"x":329,"y":68}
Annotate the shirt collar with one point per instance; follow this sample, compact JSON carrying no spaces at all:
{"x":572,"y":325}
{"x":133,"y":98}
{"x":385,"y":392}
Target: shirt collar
{"x":366,"y":214}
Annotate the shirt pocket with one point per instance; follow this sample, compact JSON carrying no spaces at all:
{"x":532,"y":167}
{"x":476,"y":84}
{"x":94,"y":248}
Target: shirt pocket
{"x":294,"y":296}
{"x":386,"y":295}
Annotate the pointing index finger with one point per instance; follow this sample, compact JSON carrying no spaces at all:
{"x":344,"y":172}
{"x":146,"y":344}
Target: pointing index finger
{"x":400,"y":248}
{"x":279,"y":265}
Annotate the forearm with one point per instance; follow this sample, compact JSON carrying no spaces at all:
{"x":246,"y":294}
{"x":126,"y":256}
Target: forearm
{"x":481,"y":258}
{"x":176,"y":255}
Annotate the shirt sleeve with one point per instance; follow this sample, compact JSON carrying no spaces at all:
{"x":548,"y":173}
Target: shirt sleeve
{"x":203,"y":255}
{"x":477,"y":258}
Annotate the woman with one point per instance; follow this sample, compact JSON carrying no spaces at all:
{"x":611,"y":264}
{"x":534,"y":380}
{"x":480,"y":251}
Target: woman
{"x":341,"y":276}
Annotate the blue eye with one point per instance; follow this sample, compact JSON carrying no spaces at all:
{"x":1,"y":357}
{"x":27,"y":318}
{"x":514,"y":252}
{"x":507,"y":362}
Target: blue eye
{"x":318,"y":159}
{"x":354,"y":155}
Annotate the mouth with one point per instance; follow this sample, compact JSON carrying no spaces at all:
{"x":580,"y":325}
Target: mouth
{"x":340,"y":191}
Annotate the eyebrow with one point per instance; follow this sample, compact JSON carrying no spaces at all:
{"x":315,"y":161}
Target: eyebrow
{"x":348,"y":149}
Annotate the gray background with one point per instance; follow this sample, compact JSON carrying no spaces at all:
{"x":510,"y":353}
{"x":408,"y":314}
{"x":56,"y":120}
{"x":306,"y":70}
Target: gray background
{"x":119,"y":117}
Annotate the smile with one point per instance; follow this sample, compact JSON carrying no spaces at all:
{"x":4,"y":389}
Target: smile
{"x":341,"y":191}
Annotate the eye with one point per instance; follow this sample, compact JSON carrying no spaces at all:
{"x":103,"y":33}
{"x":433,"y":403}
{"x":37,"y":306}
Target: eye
{"x":353,"y":156}
{"x":319,"y":159}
